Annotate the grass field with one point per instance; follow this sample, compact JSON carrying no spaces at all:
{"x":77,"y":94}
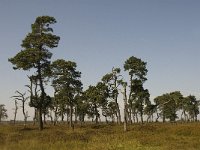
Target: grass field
{"x":102,"y":137}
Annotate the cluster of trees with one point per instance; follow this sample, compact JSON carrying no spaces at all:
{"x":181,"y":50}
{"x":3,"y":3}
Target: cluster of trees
{"x":168,"y":105}
{"x":101,"y":100}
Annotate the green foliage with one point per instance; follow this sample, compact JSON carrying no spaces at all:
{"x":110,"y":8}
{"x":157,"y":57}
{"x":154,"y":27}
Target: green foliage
{"x":113,"y":80}
{"x":67,"y":86}
{"x":169,"y":104}
{"x":82,"y":106}
{"x":136,"y":67}
{"x":66,"y":80}
{"x":191,"y":106}
{"x":35,"y":46}
{"x":36,"y":55}
{"x":138,"y":96}
{"x":96,"y":97}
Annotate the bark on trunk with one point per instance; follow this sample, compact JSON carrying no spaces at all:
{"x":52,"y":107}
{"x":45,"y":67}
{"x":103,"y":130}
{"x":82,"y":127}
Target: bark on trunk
{"x":40,"y":119}
{"x":42,"y":96}
{"x":71,"y":113}
{"x":16,"y":107}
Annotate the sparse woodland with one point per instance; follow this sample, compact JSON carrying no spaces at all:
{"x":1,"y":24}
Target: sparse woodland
{"x":98,"y":102}
{"x":92,"y":118}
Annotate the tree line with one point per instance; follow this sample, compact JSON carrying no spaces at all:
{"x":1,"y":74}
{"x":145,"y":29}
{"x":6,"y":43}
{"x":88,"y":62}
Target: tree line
{"x":97,"y":101}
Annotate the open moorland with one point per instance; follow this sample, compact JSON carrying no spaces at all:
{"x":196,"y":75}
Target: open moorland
{"x":155,"y":136}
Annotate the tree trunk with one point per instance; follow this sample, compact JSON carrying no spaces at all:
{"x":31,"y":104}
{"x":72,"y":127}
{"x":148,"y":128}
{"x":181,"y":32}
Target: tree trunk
{"x":148,"y":118}
{"x":130,"y":115}
{"x":129,"y":99}
{"x":96,"y":113}
{"x":152,"y":117}
{"x":106,"y":119}
{"x":44,"y":118}
{"x":157,"y":117}
{"x":15,"y":115}
{"x":76,"y":115}
{"x":51,"y":117}
{"x":118,"y":110}
{"x":112,"y":118}
{"x":23,"y":110}
{"x":125,"y":109}
{"x":55,"y":116}
{"x":163,"y":119}
{"x":42,"y":96}
{"x":35,"y":116}
{"x":133,"y":115}
{"x":141,"y":116}
{"x":71,"y":114}
{"x":40,"y":119}
{"x":136,"y":115}
{"x":62,"y":116}
{"x":115,"y":98}
{"x":195,"y":119}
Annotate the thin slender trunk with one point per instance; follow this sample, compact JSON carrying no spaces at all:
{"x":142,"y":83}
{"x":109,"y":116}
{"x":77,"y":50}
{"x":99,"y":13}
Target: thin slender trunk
{"x":44,"y":117}
{"x":185,"y":119}
{"x":40,"y":119}
{"x":157,"y":117}
{"x":51,"y":117}
{"x":148,"y":118}
{"x":131,"y":115}
{"x":35,"y":116}
{"x":23,"y":109}
{"x":112,"y":118}
{"x":62,"y":115}
{"x":136,"y":115}
{"x":117,"y":105}
{"x":163,"y":119}
{"x":83,"y":119}
{"x":42,"y":96}
{"x":152,"y":117}
{"x":15,"y":114}
{"x":96,"y":113}
{"x":71,"y":114}
{"x":125,"y":109}
{"x":115,"y":90}
{"x":106,"y":119}
{"x":141,"y":116}
{"x":117,"y":120}
{"x":55,"y":116}
{"x":129,"y":98}
{"x":76,"y":115}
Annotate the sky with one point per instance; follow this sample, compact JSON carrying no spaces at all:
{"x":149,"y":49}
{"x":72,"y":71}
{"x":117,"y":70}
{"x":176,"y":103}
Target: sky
{"x":101,"y":34}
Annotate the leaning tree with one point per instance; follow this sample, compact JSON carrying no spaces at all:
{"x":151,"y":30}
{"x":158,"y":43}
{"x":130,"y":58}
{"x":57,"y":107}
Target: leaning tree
{"x":35,"y":54}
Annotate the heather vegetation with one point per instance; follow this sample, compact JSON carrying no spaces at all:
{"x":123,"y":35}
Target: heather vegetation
{"x":151,"y":136}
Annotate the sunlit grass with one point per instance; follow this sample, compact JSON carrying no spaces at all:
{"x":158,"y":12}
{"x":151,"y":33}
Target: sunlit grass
{"x":102,"y":137}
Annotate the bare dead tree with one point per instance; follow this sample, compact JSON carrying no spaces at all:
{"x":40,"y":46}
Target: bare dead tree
{"x":124,"y":84}
{"x":15,"y":111}
{"x":21,"y":97}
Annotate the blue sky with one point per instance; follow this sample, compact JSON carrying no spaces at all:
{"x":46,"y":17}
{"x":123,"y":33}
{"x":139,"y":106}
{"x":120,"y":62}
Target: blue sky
{"x":101,"y":34}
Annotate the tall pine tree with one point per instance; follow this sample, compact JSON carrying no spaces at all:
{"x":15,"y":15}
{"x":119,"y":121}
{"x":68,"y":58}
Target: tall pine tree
{"x":35,"y":54}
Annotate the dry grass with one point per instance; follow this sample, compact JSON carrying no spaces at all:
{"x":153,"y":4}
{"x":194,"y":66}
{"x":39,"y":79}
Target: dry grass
{"x":102,"y":137}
